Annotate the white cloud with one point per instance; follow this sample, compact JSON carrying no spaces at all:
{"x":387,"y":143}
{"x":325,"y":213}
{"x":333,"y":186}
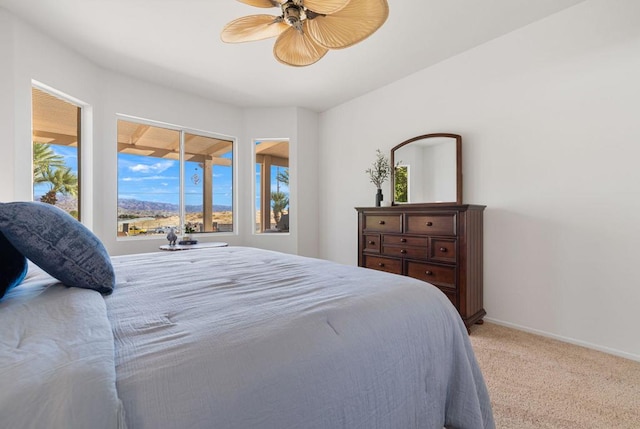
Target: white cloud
{"x":158,"y":167}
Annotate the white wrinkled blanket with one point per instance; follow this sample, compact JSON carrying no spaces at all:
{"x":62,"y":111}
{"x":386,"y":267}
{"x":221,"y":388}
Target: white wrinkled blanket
{"x":57,"y":367}
{"x":241,"y":338}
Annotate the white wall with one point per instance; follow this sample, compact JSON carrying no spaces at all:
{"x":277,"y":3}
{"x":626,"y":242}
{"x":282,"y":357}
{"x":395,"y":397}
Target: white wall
{"x":306,"y":184}
{"x":6,"y":106}
{"x":32,"y":55}
{"x":549,"y":119}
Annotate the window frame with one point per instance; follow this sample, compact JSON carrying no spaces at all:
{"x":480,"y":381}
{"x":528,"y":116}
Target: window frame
{"x":182,"y":130}
{"x":84,"y":149}
{"x":257,"y":189}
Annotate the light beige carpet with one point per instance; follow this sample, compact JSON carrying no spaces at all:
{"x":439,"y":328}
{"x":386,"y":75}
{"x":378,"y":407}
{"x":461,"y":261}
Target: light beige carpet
{"x":539,"y":383}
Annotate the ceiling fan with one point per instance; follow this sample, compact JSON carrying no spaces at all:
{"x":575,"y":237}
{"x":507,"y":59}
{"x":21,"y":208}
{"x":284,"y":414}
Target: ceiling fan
{"x":307,"y":29}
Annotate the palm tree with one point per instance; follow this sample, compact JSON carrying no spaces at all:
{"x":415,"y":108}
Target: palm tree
{"x":283,"y":177}
{"x":280,"y":201}
{"x":62,"y":180}
{"x":44,"y":159}
{"x":49,"y":167}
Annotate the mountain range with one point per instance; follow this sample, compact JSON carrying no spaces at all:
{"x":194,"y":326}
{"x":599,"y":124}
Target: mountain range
{"x":131,"y":205}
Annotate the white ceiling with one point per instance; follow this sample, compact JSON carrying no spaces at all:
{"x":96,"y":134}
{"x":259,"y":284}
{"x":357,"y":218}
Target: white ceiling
{"x":177,"y":43}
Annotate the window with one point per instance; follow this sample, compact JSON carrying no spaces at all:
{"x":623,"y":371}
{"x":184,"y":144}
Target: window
{"x":56,"y":151}
{"x":272,"y":186}
{"x":172,"y":178}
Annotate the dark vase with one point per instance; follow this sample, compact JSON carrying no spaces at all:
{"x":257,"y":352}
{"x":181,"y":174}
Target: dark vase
{"x":379,"y":197}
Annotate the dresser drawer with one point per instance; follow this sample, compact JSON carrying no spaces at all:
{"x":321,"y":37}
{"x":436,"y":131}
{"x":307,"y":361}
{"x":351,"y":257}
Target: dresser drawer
{"x":383,"y":264}
{"x":372,"y":243}
{"x":443,"y":250}
{"x":383,"y":223}
{"x":405,"y":252}
{"x":404,"y":240}
{"x":432,"y":224}
{"x":434,"y":274}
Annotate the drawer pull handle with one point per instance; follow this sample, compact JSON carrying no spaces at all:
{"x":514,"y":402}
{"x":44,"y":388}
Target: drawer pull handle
{"x":381,"y":222}
{"x":429,"y":223}
{"x":443,"y":249}
{"x":371,"y":242}
{"x":403,"y":251}
{"x":428,"y":272}
{"x":403,"y":240}
{"x":380,"y":264}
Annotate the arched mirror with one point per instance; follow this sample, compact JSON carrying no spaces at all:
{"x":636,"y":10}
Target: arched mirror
{"x":428,"y":169}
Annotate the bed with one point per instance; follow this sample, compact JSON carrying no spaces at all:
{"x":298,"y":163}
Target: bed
{"x":238,"y":338}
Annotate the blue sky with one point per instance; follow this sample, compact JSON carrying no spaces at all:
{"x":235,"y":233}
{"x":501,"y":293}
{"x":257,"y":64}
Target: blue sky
{"x":157,"y":179}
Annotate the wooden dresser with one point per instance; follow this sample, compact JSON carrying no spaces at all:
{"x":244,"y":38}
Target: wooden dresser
{"x":438,"y":243}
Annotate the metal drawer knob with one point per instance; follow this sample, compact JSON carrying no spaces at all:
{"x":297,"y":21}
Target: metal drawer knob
{"x":403,"y":240}
{"x":429,"y":223}
{"x":443,"y":249}
{"x":371,"y":242}
{"x":380,"y":264}
{"x":381,"y":222}
{"x":428,"y":272}
{"x":403,"y":251}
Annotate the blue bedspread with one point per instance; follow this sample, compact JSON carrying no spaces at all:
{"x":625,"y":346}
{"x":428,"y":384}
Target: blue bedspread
{"x":235,"y":337}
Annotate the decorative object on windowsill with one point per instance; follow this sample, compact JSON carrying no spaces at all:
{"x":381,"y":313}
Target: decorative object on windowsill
{"x":308,"y":29}
{"x":189,"y":229}
{"x":379,"y":173}
{"x":172,"y":237}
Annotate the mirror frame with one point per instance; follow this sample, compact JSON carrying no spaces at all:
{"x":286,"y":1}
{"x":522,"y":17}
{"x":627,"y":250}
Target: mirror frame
{"x":458,"y":168}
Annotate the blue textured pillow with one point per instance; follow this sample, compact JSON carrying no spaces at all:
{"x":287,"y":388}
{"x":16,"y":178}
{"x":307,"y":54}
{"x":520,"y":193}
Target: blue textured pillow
{"x":59,"y":244}
{"x":13,"y":266}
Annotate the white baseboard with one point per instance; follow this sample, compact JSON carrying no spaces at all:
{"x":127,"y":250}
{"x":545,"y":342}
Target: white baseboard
{"x":608,"y":350}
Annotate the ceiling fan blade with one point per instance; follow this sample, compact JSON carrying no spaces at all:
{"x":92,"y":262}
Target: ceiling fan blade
{"x":355,"y":22}
{"x":297,"y":49}
{"x":251,"y":28}
{"x":261,"y":3}
{"x":325,"y":7}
